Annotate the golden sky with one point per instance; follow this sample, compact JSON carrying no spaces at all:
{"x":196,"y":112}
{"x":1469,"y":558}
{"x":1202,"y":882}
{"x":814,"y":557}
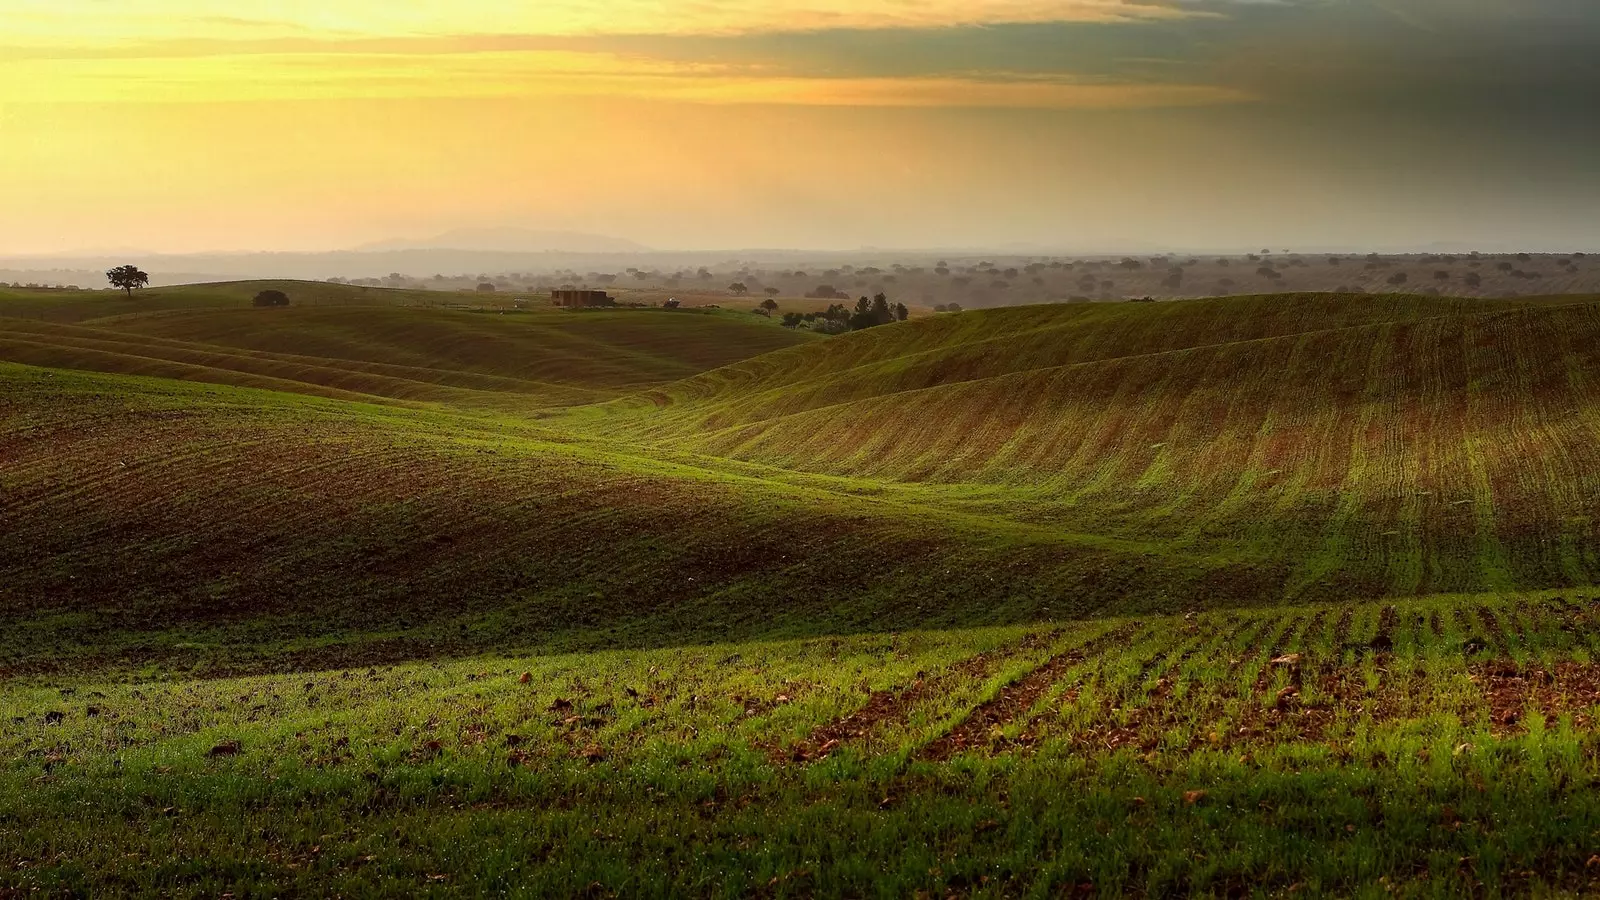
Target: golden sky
{"x":201,"y":124}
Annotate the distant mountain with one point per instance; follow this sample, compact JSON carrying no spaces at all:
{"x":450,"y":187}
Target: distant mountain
{"x":512,"y":240}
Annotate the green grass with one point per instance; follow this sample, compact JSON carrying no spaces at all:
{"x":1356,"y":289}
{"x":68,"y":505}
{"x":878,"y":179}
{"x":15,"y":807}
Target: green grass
{"x":963,"y":605}
{"x":672,"y":770}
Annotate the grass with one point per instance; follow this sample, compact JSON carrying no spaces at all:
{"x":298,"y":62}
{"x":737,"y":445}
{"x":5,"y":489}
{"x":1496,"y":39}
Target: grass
{"x":1263,"y":595}
{"x":1454,"y":758}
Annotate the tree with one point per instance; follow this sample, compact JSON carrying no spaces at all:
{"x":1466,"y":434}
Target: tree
{"x":901,"y":313}
{"x":739,"y":288}
{"x":127,"y":278}
{"x":880,"y":309}
{"x":792,"y":320}
{"x":1399,"y":278}
{"x":772,"y":292}
{"x":271,"y":298}
{"x":1472,"y":279}
{"x":486,"y":287}
{"x":953,"y":307}
{"x":769,"y":304}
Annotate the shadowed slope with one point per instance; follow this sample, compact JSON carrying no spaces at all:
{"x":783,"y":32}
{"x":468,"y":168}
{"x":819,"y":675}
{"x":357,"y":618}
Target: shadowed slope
{"x":150,"y":519}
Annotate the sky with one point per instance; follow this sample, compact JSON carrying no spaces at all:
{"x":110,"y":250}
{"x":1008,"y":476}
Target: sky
{"x":1068,"y":125}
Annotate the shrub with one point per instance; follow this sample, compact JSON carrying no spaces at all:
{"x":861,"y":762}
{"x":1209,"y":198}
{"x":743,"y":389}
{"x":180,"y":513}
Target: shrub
{"x":271,"y":298}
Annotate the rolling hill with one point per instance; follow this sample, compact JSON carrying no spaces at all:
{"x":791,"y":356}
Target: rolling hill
{"x":1282,"y":595}
{"x":343,"y":341}
{"x":1000,"y":466}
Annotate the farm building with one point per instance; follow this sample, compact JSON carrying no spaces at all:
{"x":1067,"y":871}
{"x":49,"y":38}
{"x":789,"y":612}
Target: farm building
{"x":574,"y":298}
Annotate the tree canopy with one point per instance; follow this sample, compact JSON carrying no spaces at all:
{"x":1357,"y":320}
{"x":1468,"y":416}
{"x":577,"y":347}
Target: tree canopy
{"x":127,"y":278}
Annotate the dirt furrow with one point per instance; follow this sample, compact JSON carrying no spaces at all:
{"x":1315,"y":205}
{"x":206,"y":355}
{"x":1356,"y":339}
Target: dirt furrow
{"x":1017,"y":698}
{"x":889,"y":706}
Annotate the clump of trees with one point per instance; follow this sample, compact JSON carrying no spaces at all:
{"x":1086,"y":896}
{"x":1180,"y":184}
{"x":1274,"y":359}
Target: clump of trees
{"x":270,"y":298}
{"x":127,"y":278}
{"x":875,"y":312}
{"x":838,"y":318}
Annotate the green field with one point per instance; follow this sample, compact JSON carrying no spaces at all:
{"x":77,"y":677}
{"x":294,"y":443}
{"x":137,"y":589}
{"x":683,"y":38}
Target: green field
{"x":1272,"y":595}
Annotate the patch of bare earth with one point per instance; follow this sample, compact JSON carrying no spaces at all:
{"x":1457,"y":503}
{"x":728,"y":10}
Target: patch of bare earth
{"x":1511,"y":692}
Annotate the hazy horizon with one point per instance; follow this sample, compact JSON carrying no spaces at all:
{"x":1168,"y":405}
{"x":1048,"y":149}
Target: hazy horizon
{"x":188,"y":126}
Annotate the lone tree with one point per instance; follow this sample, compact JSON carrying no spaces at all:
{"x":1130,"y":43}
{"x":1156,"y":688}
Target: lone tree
{"x":127,"y":278}
{"x":739,"y":288}
{"x":769,"y":304}
{"x":271,"y":298}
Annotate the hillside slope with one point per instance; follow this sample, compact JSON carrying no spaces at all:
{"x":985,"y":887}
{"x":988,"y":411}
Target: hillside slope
{"x":455,"y":357}
{"x":147,"y":519}
{"x":1370,"y":447}
{"x":79,"y":306}
{"x":1000,"y":467}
